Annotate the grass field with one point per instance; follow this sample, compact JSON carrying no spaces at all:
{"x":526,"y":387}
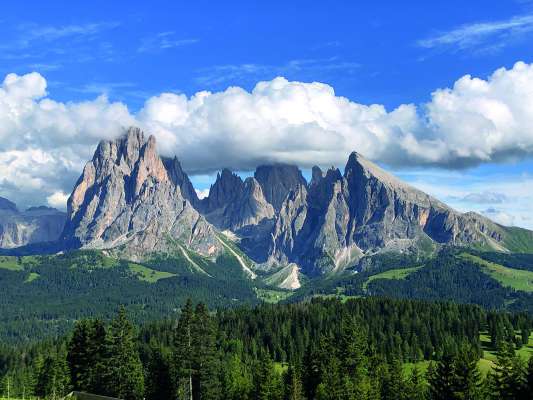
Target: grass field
{"x":147,"y":274}
{"x":489,"y":354}
{"x":486,"y":363}
{"x":515,"y":278}
{"x":271,"y":295}
{"x":400,"y":273}
{"x":31,"y":277}
{"x":10,"y":263}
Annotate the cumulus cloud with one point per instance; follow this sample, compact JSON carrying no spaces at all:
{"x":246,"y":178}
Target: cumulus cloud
{"x":202,"y":193}
{"x":58,"y":200}
{"x":44,"y":143}
{"x":499,"y":216}
{"x":473,"y":122}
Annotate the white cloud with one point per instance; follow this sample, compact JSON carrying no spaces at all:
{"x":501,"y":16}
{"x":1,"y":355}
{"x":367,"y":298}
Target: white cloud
{"x":486,"y":197}
{"x":51,"y":33}
{"x":499,"y":216}
{"x":503,"y":197}
{"x":44,"y":143}
{"x":203,"y":193}
{"x":473,"y":122}
{"x":164,"y":41}
{"x":476,"y":34}
{"x":58,"y":200}
{"x":224,"y":74}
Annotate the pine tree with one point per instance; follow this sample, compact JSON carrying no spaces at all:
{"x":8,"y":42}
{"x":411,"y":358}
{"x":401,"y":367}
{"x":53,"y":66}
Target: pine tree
{"x":158,"y":378}
{"x":206,"y":385}
{"x":468,"y":377}
{"x":124,"y":377}
{"x":416,"y":387}
{"x":530,"y":378}
{"x":293,"y":384}
{"x":183,"y":354}
{"x":509,"y":377}
{"x":441,"y":379}
{"x":53,"y":380}
{"x":86,"y":353}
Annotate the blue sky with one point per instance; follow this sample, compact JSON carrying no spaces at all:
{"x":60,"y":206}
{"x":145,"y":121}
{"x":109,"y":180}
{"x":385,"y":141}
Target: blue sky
{"x":381,"y":52}
{"x":370,"y":52}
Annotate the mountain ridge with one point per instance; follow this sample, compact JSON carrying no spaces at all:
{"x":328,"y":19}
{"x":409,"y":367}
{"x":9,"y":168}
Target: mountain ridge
{"x":133,"y":203}
{"x":33,"y":225}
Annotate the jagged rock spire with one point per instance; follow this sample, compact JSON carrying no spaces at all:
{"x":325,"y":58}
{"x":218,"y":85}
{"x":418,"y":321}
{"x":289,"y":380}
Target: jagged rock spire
{"x":126,"y":200}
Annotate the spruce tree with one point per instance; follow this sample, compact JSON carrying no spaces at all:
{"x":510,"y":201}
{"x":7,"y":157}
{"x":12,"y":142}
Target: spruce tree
{"x":264,"y":380}
{"x":509,"y":376}
{"x":158,"y":378}
{"x":124,"y":377}
{"x":530,"y":377}
{"x":332,"y":385}
{"x":468,"y":378}
{"x":86,"y":353}
{"x":416,"y":386}
{"x":393,"y":383}
{"x":353,"y":358}
{"x":442,"y":379}
{"x":183,"y":354}
{"x":293,"y":384}
{"x":53,"y":380}
{"x":206,"y":384}
{"x":237,"y":382}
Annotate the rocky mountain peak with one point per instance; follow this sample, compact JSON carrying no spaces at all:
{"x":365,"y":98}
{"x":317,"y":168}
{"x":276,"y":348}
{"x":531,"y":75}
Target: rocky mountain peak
{"x":130,"y":157}
{"x":227,"y":187}
{"x":7,"y":205}
{"x":36,"y":224}
{"x":125,"y":199}
{"x":316,"y":175}
{"x":278,"y":180}
{"x":181,"y":180}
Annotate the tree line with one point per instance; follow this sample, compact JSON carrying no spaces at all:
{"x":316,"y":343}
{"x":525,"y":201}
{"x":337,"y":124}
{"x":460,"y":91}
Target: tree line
{"x":323,"y":349}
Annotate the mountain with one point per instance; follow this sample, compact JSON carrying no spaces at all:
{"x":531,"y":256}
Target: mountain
{"x":36,"y":224}
{"x":181,"y":180}
{"x":233,"y":204}
{"x":277,"y":181}
{"x":339,"y":218}
{"x":137,"y":234}
{"x":135,"y":204}
{"x":128,"y":201}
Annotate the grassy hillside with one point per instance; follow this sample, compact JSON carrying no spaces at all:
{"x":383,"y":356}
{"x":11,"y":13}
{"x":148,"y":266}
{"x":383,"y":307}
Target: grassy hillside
{"x":492,"y":280}
{"x":518,"y":240}
{"x":509,"y":277}
{"x":43,"y":295}
{"x":391,"y":274}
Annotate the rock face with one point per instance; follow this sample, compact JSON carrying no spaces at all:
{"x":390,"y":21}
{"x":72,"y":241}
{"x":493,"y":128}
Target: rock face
{"x":130,"y":200}
{"x":340,"y":217}
{"x":127,"y":200}
{"x":277,"y":181}
{"x":233,"y":204}
{"x":181,"y":180}
{"x":36,"y":224}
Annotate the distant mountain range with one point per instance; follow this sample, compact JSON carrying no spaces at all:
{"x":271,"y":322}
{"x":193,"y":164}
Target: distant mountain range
{"x":135,"y":205}
{"x":34,"y":225}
